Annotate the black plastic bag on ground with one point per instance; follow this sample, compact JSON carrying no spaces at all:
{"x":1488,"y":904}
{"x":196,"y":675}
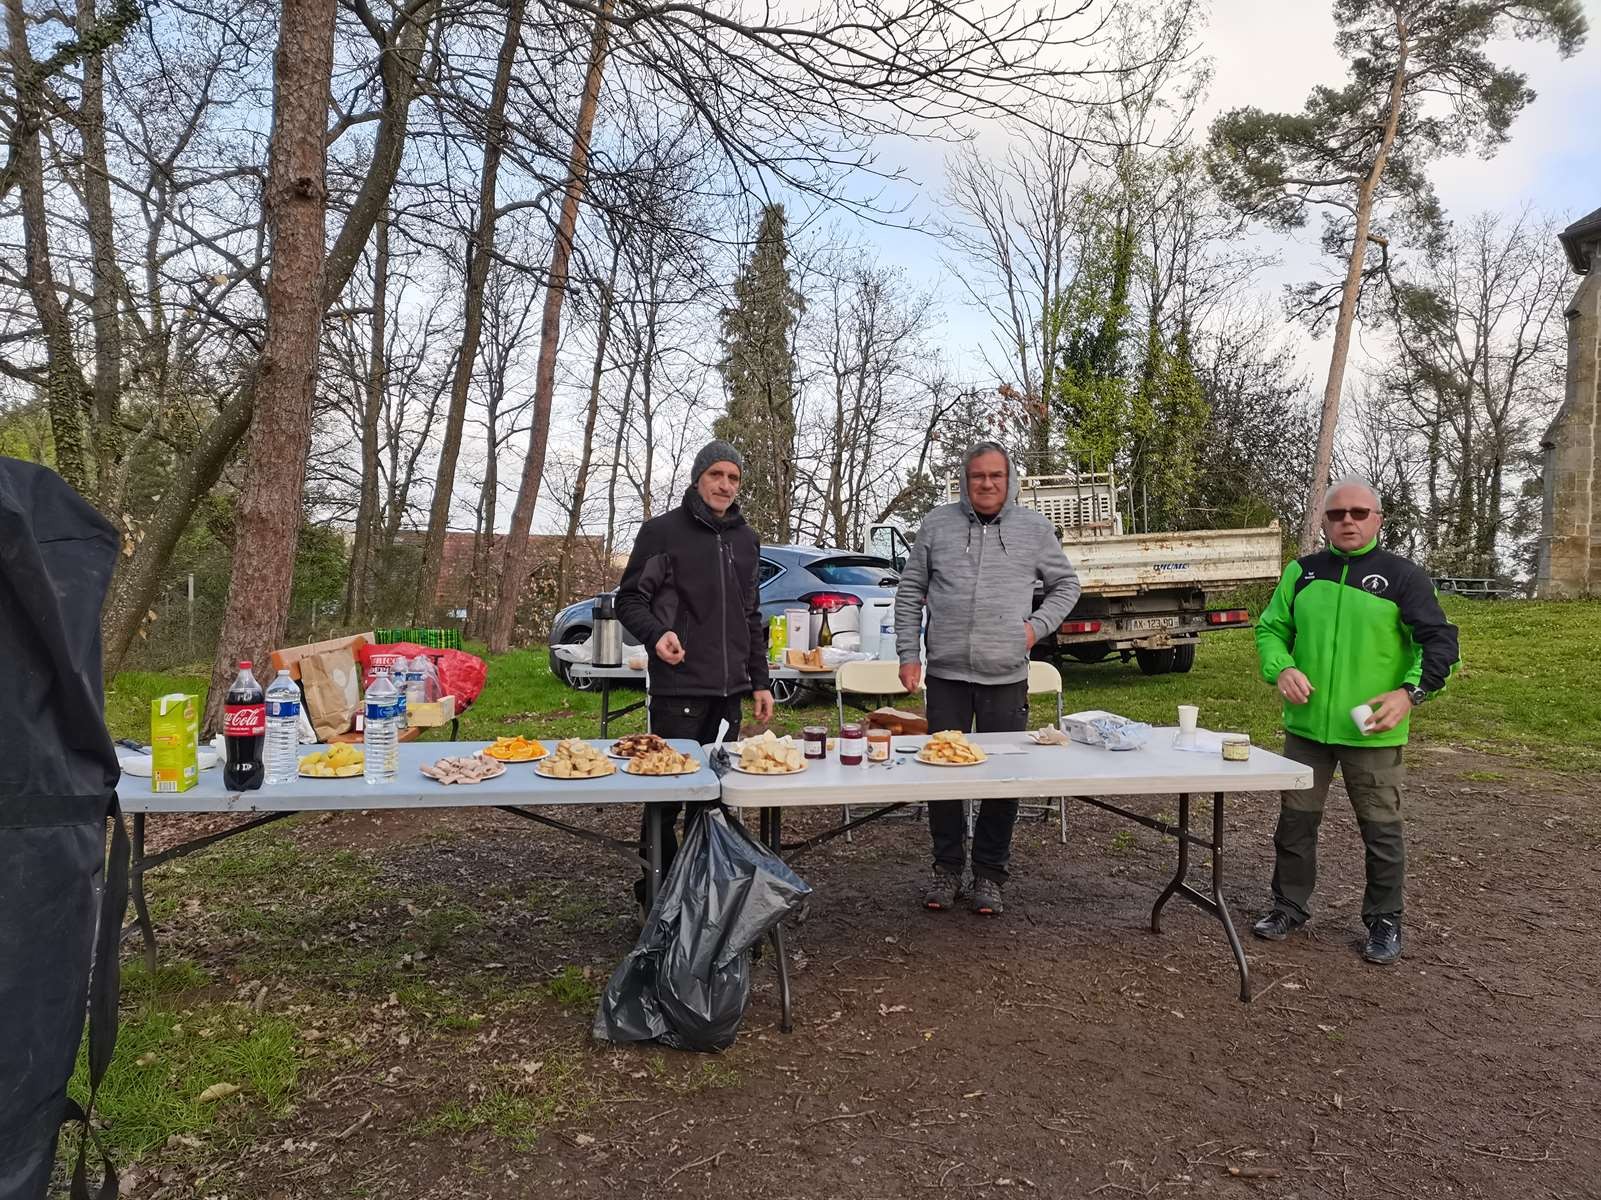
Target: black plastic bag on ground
{"x":686,"y":983}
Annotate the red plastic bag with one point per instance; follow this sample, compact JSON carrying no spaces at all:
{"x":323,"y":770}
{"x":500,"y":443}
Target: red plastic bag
{"x":461,"y":675}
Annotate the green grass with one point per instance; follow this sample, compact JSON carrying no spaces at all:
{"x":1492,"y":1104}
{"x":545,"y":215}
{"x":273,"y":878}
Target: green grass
{"x":1524,"y":691}
{"x":571,"y":988}
{"x":556,"y":1088}
{"x":173,"y":1044}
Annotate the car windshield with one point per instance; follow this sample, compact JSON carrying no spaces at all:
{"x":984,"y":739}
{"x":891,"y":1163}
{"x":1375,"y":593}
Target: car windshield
{"x":857,"y":570}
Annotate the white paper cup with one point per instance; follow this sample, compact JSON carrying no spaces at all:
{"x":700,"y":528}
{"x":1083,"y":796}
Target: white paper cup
{"x":1362,"y":715}
{"x":1188,"y":715}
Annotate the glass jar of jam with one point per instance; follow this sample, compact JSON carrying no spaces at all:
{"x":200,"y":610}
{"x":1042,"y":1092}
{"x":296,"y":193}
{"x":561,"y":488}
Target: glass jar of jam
{"x":878,"y":745}
{"x":814,"y":740}
{"x":851,"y":744}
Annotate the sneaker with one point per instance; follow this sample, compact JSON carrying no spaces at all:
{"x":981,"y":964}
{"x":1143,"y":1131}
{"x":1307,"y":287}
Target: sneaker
{"x":1278,"y":925}
{"x":987,"y":900}
{"x":1384,"y":941}
{"x":943,"y":890}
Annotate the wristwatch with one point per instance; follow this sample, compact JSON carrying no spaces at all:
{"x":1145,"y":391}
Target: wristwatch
{"x":1414,"y":693}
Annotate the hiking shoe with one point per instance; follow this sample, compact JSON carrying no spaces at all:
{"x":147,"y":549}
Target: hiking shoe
{"x":943,"y":890}
{"x":1384,"y":941}
{"x":987,"y":900}
{"x":1278,"y":925}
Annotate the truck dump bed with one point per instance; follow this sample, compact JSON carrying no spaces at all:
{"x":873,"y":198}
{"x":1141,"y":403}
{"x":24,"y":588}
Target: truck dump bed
{"x":1211,"y":559}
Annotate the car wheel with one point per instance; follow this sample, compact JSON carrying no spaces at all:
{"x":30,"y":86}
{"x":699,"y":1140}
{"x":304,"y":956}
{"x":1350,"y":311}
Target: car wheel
{"x":785,"y":691}
{"x":1183,"y":656}
{"x":1154,"y":662}
{"x":575,"y":636}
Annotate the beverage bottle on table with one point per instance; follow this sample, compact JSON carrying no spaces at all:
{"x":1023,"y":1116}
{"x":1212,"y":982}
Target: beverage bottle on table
{"x":416,"y":685}
{"x":244,"y":728}
{"x":380,"y":728}
{"x":825,"y":635}
{"x":282,"y":758}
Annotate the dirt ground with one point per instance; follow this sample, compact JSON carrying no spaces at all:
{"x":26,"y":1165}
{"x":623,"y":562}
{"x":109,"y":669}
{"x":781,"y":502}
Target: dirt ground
{"x":1060,"y":1050}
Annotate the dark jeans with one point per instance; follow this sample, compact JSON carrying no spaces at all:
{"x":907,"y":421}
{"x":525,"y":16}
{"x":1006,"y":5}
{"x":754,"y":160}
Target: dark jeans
{"x":992,"y":708}
{"x":1374,"y":777}
{"x":695,"y":718}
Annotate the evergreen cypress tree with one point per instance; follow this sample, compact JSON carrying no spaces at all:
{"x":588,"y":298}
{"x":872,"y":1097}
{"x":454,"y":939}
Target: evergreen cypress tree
{"x":758,"y":367}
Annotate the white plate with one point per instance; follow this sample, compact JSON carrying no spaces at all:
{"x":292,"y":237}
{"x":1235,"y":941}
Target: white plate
{"x":465,"y":782}
{"x":929,"y":762}
{"x":540,"y":771}
{"x":775,"y":774}
{"x":140,"y":764}
{"x":515,"y":762}
{"x":660,"y":774}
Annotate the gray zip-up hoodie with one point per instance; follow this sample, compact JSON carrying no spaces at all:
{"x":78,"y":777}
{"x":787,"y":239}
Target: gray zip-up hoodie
{"x":977,"y":579}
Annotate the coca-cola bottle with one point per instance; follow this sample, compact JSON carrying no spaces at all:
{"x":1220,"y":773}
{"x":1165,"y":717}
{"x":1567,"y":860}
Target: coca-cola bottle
{"x":244,"y":729}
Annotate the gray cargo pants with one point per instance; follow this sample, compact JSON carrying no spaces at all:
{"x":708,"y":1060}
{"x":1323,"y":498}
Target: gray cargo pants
{"x":1374,"y":777}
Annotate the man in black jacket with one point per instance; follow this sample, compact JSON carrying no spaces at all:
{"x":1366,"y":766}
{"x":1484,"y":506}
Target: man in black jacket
{"x":689,"y":594}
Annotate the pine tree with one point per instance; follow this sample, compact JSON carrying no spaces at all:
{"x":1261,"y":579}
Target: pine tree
{"x":1420,"y":86}
{"x":758,"y":367}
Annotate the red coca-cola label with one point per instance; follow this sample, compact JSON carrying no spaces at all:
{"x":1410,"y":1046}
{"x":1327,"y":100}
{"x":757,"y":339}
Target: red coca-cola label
{"x":244,"y":720}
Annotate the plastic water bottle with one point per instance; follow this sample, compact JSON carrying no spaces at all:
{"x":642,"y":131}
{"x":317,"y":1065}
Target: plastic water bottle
{"x":283,"y":730}
{"x":416,"y":688}
{"x":380,"y":729}
{"x":432,"y":688}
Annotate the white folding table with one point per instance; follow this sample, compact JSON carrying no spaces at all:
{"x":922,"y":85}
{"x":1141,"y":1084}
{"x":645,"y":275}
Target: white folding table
{"x":519,"y":790}
{"x":1018,"y":769}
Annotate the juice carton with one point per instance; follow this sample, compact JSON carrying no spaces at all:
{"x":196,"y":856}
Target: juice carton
{"x":777,"y":638}
{"x":174,"y":738}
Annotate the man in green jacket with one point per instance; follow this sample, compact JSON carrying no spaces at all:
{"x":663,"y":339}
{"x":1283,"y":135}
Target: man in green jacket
{"x":1350,"y":625}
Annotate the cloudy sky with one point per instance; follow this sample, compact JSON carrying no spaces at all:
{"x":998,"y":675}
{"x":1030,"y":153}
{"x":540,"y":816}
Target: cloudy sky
{"x":1268,"y":53}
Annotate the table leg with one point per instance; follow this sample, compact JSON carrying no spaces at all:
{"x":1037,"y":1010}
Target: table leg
{"x":1223,"y":904}
{"x":605,"y":707}
{"x":772,"y":826}
{"x":653,"y":853}
{"x":147,"y":931}
{"x":1183,"y":871}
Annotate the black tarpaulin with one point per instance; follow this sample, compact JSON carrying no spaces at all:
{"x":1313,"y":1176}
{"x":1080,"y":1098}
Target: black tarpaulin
{"x":58,"y":775}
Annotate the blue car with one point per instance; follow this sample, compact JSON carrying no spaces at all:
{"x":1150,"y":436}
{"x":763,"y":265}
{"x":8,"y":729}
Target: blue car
{"x":790,"y":576}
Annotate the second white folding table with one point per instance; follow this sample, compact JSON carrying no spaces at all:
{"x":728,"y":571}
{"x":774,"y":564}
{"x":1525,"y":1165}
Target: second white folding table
{"x":1018,"y":769}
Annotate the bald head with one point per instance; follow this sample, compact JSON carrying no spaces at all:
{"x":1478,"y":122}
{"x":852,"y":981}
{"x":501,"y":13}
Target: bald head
{"x":1351,"y":514}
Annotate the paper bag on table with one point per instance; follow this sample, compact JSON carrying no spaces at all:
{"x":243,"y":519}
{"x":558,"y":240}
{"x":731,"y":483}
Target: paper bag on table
{"x":898,"y":721}
{"x":332,"y":686}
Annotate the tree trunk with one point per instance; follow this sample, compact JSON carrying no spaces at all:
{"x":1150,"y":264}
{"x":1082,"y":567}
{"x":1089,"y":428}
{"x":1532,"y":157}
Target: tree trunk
{"x":138,"y":576}
{"x":104,"y":433}
{"x":624,"y":412}
{"x":514,"y":567}
{"x":371,"y":413}
{"x":269,"y":513}
{"x":67,"y":396}
{"x":1330,"y":418}
{"x":480,"y":254}
{"x":575,"y":518}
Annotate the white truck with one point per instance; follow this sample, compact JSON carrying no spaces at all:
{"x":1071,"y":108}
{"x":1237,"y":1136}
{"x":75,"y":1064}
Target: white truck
{"x":1144,"y":594}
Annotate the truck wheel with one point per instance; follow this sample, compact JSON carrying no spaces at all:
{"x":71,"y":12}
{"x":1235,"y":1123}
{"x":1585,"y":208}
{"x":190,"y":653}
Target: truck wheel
{"x":1154,"y":662}
{"x":1183,"y":656}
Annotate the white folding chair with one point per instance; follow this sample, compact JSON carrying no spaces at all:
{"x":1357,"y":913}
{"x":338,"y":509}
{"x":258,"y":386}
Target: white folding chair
{"x":876,"y":678}
{"x":1043,"y":680}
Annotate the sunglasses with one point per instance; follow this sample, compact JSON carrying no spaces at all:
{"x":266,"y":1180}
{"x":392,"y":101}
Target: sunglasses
{"x":1338,"y":514}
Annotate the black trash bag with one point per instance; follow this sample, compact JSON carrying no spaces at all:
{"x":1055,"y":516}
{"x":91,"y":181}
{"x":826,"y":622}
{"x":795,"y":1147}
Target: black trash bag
{"x":686,"y":983}
{"x":60,"y":908}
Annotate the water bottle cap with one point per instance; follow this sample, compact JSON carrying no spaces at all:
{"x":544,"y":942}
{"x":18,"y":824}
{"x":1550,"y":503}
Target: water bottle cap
{"x":245,"y":665}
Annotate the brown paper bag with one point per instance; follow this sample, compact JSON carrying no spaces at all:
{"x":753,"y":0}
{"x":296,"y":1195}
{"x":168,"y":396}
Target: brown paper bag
{"x":898,"y":721}
{"x":332,"y":684}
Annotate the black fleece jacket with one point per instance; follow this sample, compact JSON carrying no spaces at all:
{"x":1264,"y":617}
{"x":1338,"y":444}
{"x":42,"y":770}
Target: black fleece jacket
{"x":694,"y":573}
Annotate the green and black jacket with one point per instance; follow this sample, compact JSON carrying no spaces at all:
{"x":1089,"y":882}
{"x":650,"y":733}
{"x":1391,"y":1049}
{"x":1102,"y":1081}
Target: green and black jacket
{"x":1356,"y":624}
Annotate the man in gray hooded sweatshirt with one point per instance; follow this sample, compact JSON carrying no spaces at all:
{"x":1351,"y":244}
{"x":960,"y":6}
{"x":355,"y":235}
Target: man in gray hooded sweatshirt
{"x":974,"y":567}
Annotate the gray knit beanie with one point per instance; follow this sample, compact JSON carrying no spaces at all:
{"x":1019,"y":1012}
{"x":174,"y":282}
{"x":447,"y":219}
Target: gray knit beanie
{"x":715,"y":451}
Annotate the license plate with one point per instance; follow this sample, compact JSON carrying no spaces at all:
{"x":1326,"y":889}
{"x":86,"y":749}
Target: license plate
{"x":1152,"y":622}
